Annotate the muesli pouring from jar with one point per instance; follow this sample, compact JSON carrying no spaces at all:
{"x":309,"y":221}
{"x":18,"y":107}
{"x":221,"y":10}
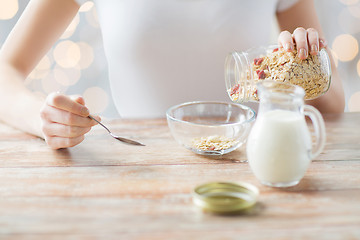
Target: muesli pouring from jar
{"x":244,"y":69}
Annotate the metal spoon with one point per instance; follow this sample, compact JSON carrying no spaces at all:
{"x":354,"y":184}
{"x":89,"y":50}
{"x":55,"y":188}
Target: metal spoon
{"x":121,"y":139}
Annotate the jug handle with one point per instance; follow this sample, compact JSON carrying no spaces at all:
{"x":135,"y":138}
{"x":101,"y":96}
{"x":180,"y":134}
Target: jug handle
{"x":319,"y":129}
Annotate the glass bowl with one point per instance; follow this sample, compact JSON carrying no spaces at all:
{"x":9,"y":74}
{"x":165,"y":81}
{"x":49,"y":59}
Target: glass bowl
{"x":210,"y":128}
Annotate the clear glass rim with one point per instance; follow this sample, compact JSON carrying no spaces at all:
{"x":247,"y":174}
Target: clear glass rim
{"x":238,"y":61}
{"x":170,"y":116}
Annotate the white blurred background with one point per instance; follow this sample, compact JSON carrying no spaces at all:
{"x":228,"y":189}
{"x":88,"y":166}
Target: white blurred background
{"x":76,"y":64}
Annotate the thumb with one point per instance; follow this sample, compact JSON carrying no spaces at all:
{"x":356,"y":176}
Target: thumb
{"x":78,"y":99}
{"x":81,"y":100}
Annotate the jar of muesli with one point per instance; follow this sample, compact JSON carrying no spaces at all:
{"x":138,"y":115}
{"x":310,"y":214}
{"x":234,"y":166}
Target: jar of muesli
{"x":243,"y":70}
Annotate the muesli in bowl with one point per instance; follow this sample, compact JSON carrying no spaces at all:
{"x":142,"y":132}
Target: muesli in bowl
{"x":210,"y":128}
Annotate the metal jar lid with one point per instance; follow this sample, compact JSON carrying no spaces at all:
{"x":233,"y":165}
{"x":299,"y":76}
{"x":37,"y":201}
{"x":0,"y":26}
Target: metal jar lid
{"x":225,"y":197}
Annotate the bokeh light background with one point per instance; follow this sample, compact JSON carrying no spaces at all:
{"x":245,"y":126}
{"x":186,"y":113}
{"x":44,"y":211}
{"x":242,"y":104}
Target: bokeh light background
{"x":77,"y":65}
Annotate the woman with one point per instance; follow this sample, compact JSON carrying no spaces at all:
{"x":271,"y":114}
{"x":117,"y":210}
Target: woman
{"x":160,"y":53}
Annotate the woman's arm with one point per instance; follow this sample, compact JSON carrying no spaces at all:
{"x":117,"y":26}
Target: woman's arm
{"x":302,"y":21}
{"x":60,"y":120}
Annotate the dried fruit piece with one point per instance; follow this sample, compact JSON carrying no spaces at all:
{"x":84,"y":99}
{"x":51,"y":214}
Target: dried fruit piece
{"x":258,"y":61}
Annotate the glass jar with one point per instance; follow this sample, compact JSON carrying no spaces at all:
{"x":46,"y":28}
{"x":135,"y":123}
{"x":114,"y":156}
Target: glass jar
{"x":243,"y":70}
{"x":280,"y":145}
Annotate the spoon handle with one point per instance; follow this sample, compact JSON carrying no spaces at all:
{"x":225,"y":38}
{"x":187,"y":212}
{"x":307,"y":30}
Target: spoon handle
{"x":100,"y":123}
{"x":122,"y":139}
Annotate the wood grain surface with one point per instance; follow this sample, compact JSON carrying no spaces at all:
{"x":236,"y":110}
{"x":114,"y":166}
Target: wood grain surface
{"x":102,"y":189}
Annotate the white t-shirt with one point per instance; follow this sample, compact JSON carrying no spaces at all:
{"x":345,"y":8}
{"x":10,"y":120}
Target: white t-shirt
{"x":161,"y":53}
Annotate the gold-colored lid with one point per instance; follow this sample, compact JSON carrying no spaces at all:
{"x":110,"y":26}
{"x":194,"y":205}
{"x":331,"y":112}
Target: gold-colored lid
{"x":225,"y":197}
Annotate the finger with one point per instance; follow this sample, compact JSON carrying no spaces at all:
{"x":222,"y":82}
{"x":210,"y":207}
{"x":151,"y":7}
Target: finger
{"x":97,"y":118}
{"x":300,"y":37}
{"x":60,"y":142}
{"x":313,"y":40}
{"x":64,"y":102}
{"x":323,"y":43}
{"x":52,"y":114}
{"x":81,"y":100}
{"x":286,"y":41}
{"x":51,"y":129}
{"x":78,"y":99}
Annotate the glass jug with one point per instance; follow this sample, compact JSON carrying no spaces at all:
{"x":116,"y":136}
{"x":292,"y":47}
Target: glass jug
{"x":243,"y":70}
{"x":280,"y":146}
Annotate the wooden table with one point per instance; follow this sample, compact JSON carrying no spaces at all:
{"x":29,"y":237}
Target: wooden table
{"x":103,"y":189}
